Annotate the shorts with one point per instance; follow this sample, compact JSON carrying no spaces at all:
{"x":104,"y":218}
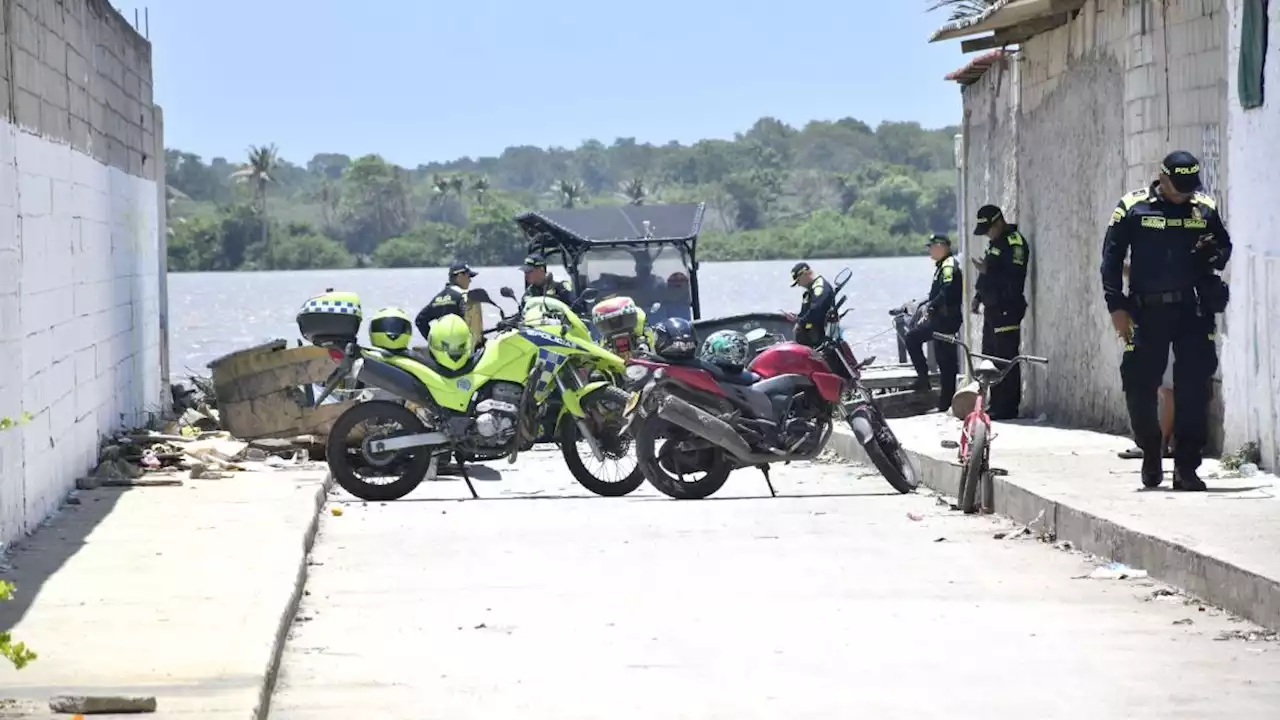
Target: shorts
{"x":1167,"y":380}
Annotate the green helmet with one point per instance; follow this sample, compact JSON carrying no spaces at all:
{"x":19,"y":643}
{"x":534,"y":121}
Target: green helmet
{"x":726,"y":348}
{"x":390,"y":329}
{"x":450,"y":342}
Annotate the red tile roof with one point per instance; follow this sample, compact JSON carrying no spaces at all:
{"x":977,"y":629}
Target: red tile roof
{"x":977,"y":67}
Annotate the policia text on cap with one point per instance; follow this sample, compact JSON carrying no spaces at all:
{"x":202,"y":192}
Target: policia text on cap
{"x":1176,"y":243}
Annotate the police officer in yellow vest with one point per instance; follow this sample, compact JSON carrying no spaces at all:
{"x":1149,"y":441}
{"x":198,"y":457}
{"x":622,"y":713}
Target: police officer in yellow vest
{"x":1176,"y":244}
{"x":942,"y":313}
{"x":818,"y":300}
{"x":1001,"y":292}
{"x":452,"y":300}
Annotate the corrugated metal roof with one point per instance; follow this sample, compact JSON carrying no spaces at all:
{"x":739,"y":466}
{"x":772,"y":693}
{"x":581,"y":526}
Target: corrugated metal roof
{"x":955,"y":27}
{"x":971,"y":73}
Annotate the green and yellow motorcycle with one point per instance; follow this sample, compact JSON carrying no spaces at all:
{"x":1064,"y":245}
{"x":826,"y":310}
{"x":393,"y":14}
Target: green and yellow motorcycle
{"x":467,"y":402}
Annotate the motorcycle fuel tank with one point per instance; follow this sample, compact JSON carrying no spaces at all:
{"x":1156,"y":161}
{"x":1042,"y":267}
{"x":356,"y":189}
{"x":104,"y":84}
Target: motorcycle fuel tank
{"x":788,"y":358}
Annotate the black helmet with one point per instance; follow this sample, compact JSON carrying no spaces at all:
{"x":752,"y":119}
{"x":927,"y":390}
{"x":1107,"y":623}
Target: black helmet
{"x":674,"y":338}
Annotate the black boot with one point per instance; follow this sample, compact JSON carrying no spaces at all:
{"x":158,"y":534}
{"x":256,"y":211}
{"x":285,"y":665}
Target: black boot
{"x":921,"y":385}
{"x":1152,"y":469}
{"x":1186,"y":480}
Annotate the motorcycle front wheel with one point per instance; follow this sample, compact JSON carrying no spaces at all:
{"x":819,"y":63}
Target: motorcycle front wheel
{"x":349,"y":464}
{"x":608,"y":403}
{"x":647,"y":431}
{"x":892,"y":462}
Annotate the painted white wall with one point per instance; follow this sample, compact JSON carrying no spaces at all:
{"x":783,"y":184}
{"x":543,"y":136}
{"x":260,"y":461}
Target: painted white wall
{"x":79,"y":317}
{"x":1251,"y":337}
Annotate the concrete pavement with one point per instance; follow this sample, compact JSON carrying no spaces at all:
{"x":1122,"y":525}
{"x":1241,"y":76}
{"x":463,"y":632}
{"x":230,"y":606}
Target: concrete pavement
{"x":1219,"y":545}
{"x":846,"y":601}
{"x":176,"y":592}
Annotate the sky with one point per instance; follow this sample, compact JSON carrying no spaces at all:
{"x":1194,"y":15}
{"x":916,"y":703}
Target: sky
{"x":418,"y":81}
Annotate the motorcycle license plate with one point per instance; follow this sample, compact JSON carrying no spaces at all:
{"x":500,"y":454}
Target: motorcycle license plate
{"x":631,"y":404}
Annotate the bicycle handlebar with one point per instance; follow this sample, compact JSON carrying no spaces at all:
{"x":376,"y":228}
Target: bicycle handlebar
{"x":955,"y":340}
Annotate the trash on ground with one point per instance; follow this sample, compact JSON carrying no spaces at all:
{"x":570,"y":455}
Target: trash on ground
{"x":102,"y":704}
{"x":914,"y":516}
{"x":335,"y":511}
{"x":1115,"y":571}
{"x":950,"y":444}
{"x":1256,"y":635}
{"x":1184,"y":621}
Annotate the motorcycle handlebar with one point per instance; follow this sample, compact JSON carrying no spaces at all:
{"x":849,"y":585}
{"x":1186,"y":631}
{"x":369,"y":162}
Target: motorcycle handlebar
{"x":955,"y":340}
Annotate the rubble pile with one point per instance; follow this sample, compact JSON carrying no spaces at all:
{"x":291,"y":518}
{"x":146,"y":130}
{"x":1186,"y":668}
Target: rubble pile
{"x":193,"y":446}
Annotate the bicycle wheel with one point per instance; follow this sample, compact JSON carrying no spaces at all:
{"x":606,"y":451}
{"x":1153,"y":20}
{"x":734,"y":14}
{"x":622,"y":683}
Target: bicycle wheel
{"x":971,"y":478}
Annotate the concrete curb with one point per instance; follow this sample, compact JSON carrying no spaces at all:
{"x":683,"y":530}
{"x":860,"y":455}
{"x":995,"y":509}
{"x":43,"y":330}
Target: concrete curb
{"x":290,"y":613}
{"x":1239,"y":591}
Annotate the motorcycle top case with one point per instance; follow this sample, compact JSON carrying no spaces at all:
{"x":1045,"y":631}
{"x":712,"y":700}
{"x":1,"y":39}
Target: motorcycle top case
{"x":330,"y":319}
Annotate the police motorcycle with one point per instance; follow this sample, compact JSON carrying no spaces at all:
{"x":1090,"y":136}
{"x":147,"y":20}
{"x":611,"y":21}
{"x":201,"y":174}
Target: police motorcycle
{"x":474,"y":403}
{"x":620,"y":325}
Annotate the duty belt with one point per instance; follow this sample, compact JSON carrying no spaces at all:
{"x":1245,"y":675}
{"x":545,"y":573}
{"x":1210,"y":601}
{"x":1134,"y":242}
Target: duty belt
{"x":1165,"y":298}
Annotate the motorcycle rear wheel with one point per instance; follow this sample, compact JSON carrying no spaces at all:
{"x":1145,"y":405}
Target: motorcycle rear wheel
{"x":344,"y":473}
{"x":646,"y":433}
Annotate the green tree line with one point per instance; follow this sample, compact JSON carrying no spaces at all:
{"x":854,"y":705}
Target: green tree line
{"x":828,"y":189}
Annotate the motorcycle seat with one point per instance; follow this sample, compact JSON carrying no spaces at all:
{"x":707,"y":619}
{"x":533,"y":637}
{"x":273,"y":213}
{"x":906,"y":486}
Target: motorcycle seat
{"x":739,"y":377}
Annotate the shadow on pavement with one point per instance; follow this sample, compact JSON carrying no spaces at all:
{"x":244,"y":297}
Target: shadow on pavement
{"x":31,"y":561}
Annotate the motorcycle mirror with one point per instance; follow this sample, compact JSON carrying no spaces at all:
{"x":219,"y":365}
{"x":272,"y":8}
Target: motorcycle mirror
{"x":844,"y":276}
{"x":507,"y":292}
{"x":654,"y":307}
{"x":588,"y":295}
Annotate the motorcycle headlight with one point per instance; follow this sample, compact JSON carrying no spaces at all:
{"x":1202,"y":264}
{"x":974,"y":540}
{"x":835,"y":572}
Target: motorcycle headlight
{"x":636,"y":373}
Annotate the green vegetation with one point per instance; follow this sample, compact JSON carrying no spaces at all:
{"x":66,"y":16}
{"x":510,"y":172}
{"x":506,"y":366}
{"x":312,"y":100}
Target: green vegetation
{"x":15,"y":652}
{"x":830,"y":189}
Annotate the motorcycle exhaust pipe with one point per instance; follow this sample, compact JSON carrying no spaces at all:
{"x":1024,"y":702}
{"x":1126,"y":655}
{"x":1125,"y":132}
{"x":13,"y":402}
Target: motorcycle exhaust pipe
{"x":706,"y":426}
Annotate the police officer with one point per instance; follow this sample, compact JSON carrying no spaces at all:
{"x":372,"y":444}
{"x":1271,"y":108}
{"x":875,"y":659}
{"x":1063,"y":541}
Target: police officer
{"x":539,"y":283}
{"x":452,"y":300}
{"x":1176,"y":244}
{"x":817,"y":302}
{"x":1001,"y":293}
{"x":942,"y":313}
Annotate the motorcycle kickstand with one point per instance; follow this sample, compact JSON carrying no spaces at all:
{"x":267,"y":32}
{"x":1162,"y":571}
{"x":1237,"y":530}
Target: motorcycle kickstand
{"x":466,"y":476}
{"x":767,"y":481}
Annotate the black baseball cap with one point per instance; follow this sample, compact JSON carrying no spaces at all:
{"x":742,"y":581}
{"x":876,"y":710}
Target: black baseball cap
{"x":1183,"y":170}
{"x":796,"y":271}
{"x":460,"y":267}
{"x":534,"y":261}
{"x":938,"y":240}
{"x":987,"y":215}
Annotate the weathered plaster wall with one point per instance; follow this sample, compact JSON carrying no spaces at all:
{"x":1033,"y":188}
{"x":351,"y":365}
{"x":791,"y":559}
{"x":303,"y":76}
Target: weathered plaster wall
{"x":991,"y":168}
{"x":1101,"y":101}
{"x":1251,"y":345}
{"x":80,"y":335}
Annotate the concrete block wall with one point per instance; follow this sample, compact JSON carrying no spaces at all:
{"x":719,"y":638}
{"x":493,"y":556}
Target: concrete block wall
{"x":1250,"y":361}
{"x":80,"y":228}
{"x":1101,"y":100}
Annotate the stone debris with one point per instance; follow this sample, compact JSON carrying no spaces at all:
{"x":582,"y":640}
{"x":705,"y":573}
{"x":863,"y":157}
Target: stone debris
{"x":102,"y":704}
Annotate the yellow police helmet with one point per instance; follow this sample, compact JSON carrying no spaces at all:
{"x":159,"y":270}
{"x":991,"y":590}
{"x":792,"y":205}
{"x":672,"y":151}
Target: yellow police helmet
{"x":450,"y":342}
{"x":390,"y":329}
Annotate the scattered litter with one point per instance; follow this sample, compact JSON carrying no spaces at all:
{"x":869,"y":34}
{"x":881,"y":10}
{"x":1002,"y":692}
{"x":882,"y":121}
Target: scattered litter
{"x":1114,"y":571}
{"x":102,"y":704}
{"x":1161,"y":592}
{"x":914,"y":516}
{"x":1184,"y":621}
{"x":1248,"y":470}
{"x":950,"y":444}
{"x":1248,"y":635}
{"x":941,"y":539}
{"x":481,"y":626}
{"x":1012,"y":534}
{"x":1064,"y":546}
{"x":335,"y":511}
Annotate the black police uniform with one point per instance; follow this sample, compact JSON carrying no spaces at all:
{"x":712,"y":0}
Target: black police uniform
{"x":452,"y":300}
{"x":550,"y":287}
{"x":1169,"y":305}
{"x":1001,"y":289}
{"x":946,"y":299}
{"x":811,"y":321}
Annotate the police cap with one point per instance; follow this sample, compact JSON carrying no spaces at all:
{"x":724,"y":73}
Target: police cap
{"x":937,"y":239}
{"x":460,"y":268}
{"x":534,"y":261}
{"x":797,"y":270}
{"x":1183,"y":170}
{"x":987,"y":216}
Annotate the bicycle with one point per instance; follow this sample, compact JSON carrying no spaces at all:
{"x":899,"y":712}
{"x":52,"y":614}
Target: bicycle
{"x":975,"y":436}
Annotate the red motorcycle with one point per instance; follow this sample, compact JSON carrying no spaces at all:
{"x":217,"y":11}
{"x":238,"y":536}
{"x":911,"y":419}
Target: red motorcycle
{"x":781,"y":408}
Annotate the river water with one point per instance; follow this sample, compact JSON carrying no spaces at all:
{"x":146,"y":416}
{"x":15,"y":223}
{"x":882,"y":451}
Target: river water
{"x":212,"y":314}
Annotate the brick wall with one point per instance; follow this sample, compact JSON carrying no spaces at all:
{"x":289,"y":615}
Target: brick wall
{"x":1101,"y":101}
{"x":80,"y":227}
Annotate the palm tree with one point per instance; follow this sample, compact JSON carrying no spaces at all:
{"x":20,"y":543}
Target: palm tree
{"x":962,"y":9}
{"x":481,"y":189}
{"x":261,"y":163}
{"x":634,"y":191}
{"x":571,"y":192}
